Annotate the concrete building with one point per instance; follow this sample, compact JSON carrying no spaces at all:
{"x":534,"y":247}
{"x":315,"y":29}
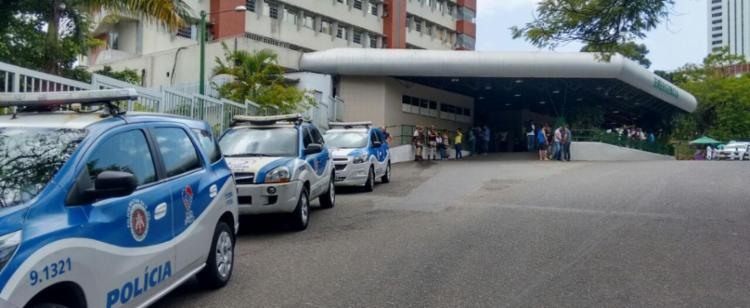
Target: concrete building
{"x":729,"y":26}
{"x":289,"y":27}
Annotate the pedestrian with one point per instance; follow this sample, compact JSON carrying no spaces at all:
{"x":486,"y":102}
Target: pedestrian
{"x":558,"y":140}
{"x":541,"y":139}
{"x":472,"y":142}
{"x":418,"y":142}
{"x":530,"y":136}
{"x":445,"y":143}
{"x":386,"y":135}
{"x":548,"y":133}
{"x":458,"y":144}
{"x":567,"y":141}
{"x":432,"y":143}
{"x":486,"y":137}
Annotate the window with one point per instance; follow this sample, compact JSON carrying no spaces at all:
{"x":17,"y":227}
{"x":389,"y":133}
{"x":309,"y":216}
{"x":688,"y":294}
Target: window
{"x":316,"y":136}
{"x":309,"y":21}
{"x":373,"y":41}
{"x":374,"y":137}
{"x":373,"y":8}
{"x":306,"y":138}
{"x":273,"y":9}
{"x":186,"y":32}
{"x":126,"y":152}
{"x":177,"y":151}
{"x":250,"y":5}
{"x":208,"y":144}
{"x":418,"y":25}
{"x":467,"y":112}
{"x":291,"y":15}
{"x":273,"y":141}
{"x":358,"y":4}
{"x":325,"y":27}
{"x":357,"y":38}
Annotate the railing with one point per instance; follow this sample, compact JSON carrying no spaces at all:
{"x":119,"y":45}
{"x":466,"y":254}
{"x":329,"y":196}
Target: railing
{"x":180,"y":100}
{"x":613,"y":138}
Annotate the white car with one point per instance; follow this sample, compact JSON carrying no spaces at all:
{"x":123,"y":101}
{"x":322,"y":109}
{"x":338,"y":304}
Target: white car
{"x":734,"y":150}
{"x":280,"y":163}
{"x":360,"y":154}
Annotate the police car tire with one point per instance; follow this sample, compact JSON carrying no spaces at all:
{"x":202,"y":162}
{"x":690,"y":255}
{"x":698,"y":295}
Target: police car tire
{"x":328,"y":199}
{"x":48,"y":305}
{"x":370,"y":184}
{"x":387,"y":176}
{"x":299,"y":222}
{"x":209,"y":277}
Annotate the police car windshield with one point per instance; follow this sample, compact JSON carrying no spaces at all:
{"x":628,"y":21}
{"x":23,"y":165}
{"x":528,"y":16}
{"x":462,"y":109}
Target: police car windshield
{"x":346,"y":139}
{"x":29,"y":157}
{"x":276,"y":141}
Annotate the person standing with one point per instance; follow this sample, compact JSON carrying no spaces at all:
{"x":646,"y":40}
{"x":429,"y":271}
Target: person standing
{"x":541,"y":139}
{"x":486,"y":137}
{"x":558,"y":140}
{"x":418,"y":142}
{"x":386,"y":135}
{"x":458,"y":144}
{"x":530,"y":136}
{"x":549,"y":134}
{"x":444,"y":145}
{"x":432,"y":144}
{"x":567,"y":141}
{"x":472,"y":142}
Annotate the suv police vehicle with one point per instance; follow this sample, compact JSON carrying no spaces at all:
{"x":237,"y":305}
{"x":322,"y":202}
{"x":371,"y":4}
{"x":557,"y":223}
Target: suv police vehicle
{"x":99,"y":208}
{"x":280,"y":163}
{"x":360,"y":154}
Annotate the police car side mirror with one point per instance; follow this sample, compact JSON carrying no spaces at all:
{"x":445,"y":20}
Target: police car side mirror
{"x":109,"y":184}
{"x":313,"y":148}
{"x":377,"y":144}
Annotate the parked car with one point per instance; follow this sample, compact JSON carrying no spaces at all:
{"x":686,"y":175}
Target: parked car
{"x":360,"y":153}
{"x":734,"y":150}
{"x":106,"y":209}
{"x":280,"y":163}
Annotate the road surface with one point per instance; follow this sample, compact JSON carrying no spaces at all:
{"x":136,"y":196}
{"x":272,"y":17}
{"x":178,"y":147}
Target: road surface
{"x":496,"y":232}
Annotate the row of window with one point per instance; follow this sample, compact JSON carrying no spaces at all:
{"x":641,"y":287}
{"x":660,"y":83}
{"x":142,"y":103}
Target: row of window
{"x":432,"y":29}
{"x":425,"y":107}
{"x":130,"y":152}
{"x":300,"y":17}
{"x":443,"y":6}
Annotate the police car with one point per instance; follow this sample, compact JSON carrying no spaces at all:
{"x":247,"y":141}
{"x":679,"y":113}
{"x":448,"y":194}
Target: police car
{"x":107,"y":209}
{"x":360,"y":154}
{"x":280,"y":163}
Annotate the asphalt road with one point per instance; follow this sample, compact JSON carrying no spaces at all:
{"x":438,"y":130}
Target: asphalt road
{"x":494,"y":232}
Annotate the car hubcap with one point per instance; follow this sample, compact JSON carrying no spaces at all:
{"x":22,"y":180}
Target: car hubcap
{"x":224,"y":253}
{"x":304,"y":210}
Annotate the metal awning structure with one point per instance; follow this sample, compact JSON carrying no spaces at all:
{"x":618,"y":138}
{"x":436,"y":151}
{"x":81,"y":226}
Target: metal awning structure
{"x":509,"y":77}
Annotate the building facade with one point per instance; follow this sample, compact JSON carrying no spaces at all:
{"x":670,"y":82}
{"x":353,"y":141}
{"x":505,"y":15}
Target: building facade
{"x":729,"y":26}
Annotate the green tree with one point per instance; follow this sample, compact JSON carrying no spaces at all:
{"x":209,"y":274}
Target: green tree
{"x":605,"y":26}
{"x":126,"y":75}
{"x":49,"y":36}
{"x":723,"y":99}
{"x":636,"y":52}
{"x":257,"y":77}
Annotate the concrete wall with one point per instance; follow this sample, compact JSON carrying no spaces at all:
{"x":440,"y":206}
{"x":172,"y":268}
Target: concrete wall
{"x":364,"y":98}
{"x":595,"y":151}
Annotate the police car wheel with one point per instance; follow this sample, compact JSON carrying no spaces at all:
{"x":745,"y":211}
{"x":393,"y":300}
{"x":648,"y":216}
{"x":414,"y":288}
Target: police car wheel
{"x":48,"y":305}
{"x":220,"y":261}
{"x":387,"y":176}
{"x":328,"y":199}
{"x":370,"y":184}
{"x":301,"y":216}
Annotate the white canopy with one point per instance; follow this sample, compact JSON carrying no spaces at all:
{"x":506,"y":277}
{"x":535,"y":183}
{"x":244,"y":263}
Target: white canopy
{"x":436,"y":63}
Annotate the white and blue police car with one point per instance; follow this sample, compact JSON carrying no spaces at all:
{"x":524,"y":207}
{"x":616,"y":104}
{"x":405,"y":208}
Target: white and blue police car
{"x":360,"y":154}
{"x":99,"y":208}
{"x":280,"y":163}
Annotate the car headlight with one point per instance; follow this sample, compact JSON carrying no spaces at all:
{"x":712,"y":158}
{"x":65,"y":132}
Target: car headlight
{"x":8,"y":245}
{"x":278,"y":175}
{"x":360,"y":159}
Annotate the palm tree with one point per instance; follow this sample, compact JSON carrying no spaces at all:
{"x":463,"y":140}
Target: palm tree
{"x":71,"y":16}
{"x":252,"y":73}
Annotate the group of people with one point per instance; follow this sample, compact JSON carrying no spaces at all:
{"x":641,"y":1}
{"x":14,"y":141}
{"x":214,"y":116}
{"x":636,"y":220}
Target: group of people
{"x":633,"y":133}
{"x":551,"y":144}
{"x":436,"y":143}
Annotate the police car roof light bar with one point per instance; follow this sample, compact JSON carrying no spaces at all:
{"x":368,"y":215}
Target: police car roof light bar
{"x":364,"y":124}
{"x":53,"y":99}
{"x":267,"y":120}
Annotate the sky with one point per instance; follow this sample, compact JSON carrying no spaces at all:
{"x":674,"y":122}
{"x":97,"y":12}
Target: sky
{"x":680,"y":41}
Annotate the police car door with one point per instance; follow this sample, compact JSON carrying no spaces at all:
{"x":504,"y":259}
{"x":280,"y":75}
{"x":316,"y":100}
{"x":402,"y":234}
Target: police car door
{"x":377,"y":152}
{"x":134,"y":257}
{"x":313,"y":160}
{"x":192,"y":187}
